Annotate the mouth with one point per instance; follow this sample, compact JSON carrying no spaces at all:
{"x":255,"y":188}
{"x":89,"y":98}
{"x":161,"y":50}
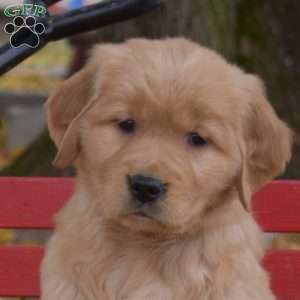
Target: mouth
{"x":141,"y":214}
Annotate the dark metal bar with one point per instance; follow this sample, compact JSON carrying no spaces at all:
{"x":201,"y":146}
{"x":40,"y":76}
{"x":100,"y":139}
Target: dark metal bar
{"x":74,"y":22}
{"x":51,"y":2}
{"x":98,"y":15}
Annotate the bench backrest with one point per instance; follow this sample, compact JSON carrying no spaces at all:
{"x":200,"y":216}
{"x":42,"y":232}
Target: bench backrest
{"x":29,"y":203}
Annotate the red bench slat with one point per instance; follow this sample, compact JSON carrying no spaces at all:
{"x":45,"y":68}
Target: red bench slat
{"x":277,"y":206}
{"x":19,"y":271}
{"x":31,"y":203}
{"x":284,"y":267}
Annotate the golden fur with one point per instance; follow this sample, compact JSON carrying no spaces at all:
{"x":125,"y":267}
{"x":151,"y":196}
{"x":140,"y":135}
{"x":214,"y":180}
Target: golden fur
{"x":202,"y":241}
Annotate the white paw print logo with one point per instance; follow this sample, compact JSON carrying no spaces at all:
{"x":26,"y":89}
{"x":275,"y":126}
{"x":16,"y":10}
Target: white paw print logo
{"x":20,"y":27}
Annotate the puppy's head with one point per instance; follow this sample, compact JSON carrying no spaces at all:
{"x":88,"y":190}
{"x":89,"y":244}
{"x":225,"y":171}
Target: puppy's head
{"x":162,"y":132}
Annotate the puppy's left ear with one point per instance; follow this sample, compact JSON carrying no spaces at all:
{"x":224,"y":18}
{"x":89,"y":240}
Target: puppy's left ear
{"x":266,"y":143}
{"x":64,"y":110}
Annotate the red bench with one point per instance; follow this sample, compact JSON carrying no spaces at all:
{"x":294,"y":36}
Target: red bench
{"x":30,"y":203}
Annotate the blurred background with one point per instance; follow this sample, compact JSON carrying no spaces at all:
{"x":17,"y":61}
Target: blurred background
{"x":261,"y":36}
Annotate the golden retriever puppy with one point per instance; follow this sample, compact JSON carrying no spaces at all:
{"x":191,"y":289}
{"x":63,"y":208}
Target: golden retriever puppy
{"x":170,"y":142}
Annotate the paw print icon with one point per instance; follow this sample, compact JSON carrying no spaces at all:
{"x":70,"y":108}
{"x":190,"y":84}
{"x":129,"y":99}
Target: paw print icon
{"x":21,"y":26}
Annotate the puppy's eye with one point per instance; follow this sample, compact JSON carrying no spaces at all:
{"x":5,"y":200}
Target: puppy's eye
{"x":196,"y":140}
{"x":127,"y":126}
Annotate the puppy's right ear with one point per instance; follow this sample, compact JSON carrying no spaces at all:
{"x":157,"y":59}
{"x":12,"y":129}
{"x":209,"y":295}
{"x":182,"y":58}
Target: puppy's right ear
{"x":266,"y":143}
{"x":64,"y":109}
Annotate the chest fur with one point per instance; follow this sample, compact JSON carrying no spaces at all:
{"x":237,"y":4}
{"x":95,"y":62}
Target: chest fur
{"x":151,"y":277}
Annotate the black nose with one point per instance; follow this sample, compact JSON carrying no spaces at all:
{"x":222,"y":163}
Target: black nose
{"x":145,"y":188}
